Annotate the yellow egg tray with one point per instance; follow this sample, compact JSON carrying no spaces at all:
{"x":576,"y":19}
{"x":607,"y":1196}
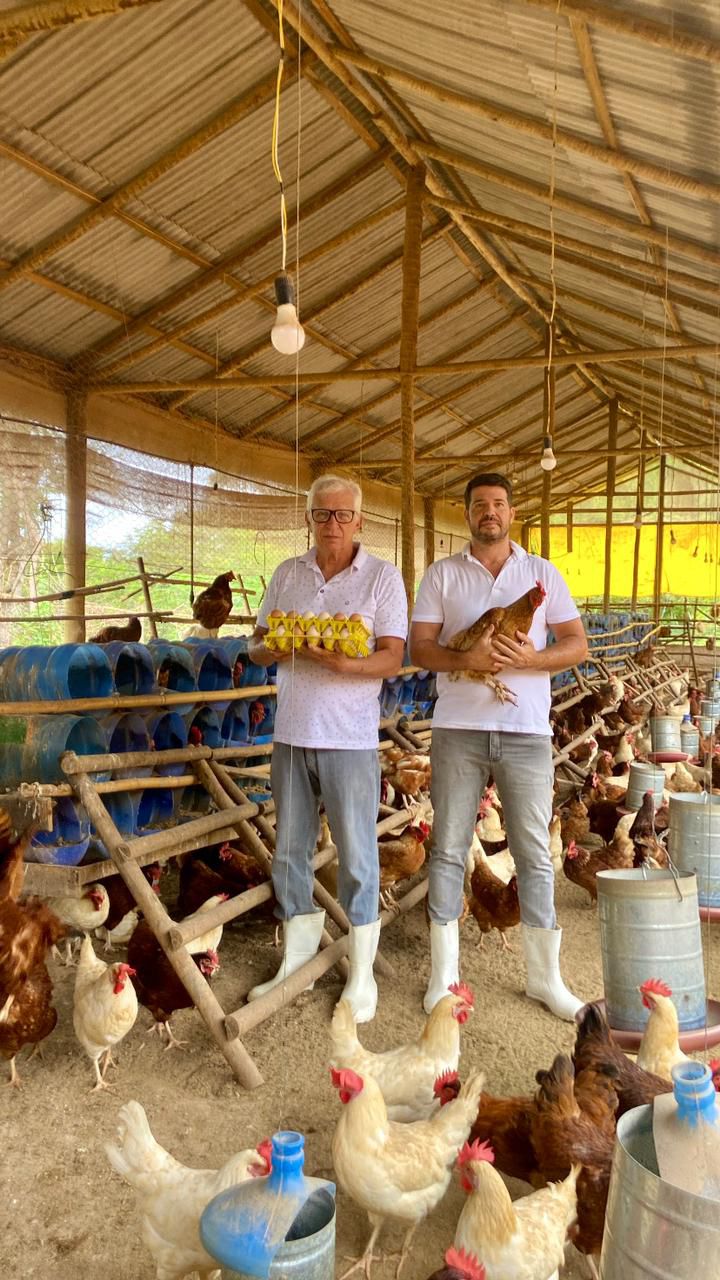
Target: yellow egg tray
{"x":288,"y":630}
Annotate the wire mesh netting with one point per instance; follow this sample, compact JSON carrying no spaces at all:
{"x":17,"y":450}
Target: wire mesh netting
{"x":189,"y":522}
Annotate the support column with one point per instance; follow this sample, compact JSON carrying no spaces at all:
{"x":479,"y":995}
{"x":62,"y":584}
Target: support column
{"x":548,"y":430}
{"x":408,"y":359}
{"x":525,"y":535}
{"x":74,"y":547}
{"x":639,"y":504}
{"x":569,"y":528}
{"x":660,"y":537}
{"x":429,"y":526}
{"x":610,"y":494}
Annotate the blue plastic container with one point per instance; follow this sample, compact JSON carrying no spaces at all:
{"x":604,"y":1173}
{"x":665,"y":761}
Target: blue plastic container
{"x":6,"y":656}
{"x":279,"y":1226}
{"x":53,"y":672}
{"x":213,"y":670}
{"x":168,"y":732}
{"x":174,"y":670}
{"x":127,"y":731}
{"x":67,"y":843}
{"x":204,"y":718}
{"x":132,"y":667}
{"x":154,"y":809}
{"x":235,"y":727}
{"x":31,"y":746}
{"x":121,"y":808}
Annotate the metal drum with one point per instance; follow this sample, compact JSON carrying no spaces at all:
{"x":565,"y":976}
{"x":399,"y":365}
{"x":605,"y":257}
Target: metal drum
{"x":712,"y":687}
{"x":706,"y":724}
{"x":642,"y":778}
{"x":665,"y":733}
{"x":695,"y":842}
{"x":650,"y":928}
{"x":653,"y":1230}
{"x":710,"y":707}
{"x":690,"y":738}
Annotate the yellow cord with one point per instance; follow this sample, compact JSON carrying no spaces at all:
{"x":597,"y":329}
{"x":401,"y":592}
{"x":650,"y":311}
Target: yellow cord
{"x":276,"y":133}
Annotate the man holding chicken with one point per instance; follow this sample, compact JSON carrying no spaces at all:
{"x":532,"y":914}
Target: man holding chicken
{"x":484,"y":725}
{"x":326,"y":732}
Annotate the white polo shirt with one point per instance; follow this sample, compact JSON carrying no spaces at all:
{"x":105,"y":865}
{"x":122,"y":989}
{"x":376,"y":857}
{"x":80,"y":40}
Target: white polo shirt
{"x":456,"y":592}
{"x":316,"y":708}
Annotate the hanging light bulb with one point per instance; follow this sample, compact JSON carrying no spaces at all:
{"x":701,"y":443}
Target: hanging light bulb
{"x":638,"y":521}
{"x":287,"y":334}
{"x":548,"y":461}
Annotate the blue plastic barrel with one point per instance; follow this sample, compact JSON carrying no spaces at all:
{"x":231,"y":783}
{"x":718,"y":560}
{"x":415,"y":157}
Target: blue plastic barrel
{"x":155,"y":809}
{"x":132,"y":667}
{"x":121,"y":808}
{"x":206,"y":720}
{"x":31,"y":746}
{"x":61,"y":671}
{"x":127,"y":731}
{"x":235,"y":727}
{"x":390,"y":696}
{"x":174,"y":669}
{"x":67,"y":843}
{"x":6,"y":657}
{"x":211,"y":664}
{"x":168,"y":732}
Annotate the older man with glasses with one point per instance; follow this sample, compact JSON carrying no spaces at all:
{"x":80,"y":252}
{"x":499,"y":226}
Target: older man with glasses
{"x":326,"y":733}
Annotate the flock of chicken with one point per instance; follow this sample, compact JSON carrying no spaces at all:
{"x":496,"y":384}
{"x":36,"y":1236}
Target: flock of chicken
{"x":211,"y":610}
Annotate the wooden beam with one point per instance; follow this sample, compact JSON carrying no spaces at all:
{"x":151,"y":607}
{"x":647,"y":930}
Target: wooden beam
{"x":429,"y":527}
{"x":611,"y":473}
{"x":569,"y":528}
{"x":677,"y":40}
{"x":639,"y":507}
{"x":410,"y":305}
{"x":482,"y":108}
{"x":659,"y":539}
{"x":549,"y":430}
{"x":74,"y":539}
{"x":25,"y":20}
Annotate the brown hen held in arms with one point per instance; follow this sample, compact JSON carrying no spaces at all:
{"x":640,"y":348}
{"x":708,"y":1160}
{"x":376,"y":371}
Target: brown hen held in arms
{"x":506,"y":620}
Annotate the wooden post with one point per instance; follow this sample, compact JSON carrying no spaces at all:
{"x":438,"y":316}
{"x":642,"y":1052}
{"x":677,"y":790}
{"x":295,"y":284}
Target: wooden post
{"x":148,"y":598}
{"x":639,"y":503}
{"x":659,"y":538}
{"x":429,"y":524}
{"x":569,"y":529}
{"x":74,"y":545}
{"x":525,"y":535}
{"x":611,"y":473}
{"x":408,"y":359}
{"x":548,"y":430}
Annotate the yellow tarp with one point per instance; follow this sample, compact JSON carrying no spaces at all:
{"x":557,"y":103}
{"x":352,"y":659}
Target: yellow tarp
{"x":690,"y":563}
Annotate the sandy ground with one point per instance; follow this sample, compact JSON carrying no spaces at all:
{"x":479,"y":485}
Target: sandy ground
{"x":65,"y":1215}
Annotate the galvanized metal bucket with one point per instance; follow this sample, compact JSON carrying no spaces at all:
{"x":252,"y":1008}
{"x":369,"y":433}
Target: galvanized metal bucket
{"x":706,"y":724}
{"x":642,"y":778}
{"x":650,"y":928}
{"x":653,"y":1230}
{"x":665,"y":733}
{"x":712,"y":687}
{"x":710,"y":707}
{"x":310,"y":1256}
{"x":695,"y":842}
{"x":690,"y":738}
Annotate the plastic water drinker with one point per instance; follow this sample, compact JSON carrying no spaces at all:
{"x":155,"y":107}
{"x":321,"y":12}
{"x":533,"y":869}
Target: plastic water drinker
{"x":282,"y":1225}
{"x":686,"y":1131}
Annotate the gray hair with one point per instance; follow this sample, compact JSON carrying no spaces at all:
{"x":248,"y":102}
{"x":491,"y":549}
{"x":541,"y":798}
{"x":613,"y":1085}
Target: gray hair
{"x":330,"y":484}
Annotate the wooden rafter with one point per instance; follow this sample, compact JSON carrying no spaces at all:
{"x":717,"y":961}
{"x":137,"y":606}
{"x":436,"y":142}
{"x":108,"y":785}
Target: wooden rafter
{"x":662,"y":35}
{"x":25,"y":20}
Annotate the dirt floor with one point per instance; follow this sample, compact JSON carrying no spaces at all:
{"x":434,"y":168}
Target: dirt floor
{"x":65,"y":1215}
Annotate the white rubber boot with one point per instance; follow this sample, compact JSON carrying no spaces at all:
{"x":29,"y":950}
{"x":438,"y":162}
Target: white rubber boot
{"x":361,"y":989}
{"x":301,"y":937}
{"x":444,"y":953}
{"x":542,"y":957}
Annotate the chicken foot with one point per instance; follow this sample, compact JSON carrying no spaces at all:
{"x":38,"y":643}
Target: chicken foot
{"x":366,"y":1260}
{"x":100,"y":1081}
{"x":405,"y":1248}
{"x":6,"y":1008}
{"x":173,"y":1042}
{"x":14,"y":1080}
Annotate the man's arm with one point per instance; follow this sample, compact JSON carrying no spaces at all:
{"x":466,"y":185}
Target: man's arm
{"x":427,"y":652}
{"x":384,"y":662}
{"x":570,"y":648}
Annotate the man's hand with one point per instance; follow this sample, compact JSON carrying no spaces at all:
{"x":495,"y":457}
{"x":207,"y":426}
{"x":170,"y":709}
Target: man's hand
{"x":330,"y":659}
{"x":483,"y":657}
{"x":519,"y":653}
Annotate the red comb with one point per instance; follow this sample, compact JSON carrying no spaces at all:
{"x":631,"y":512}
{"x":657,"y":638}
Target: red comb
{"x":466,"y":1263}
{"x":476,"y":1151}
{"x":656,"y":986}
{"x":461,"y":989}
{"x":451,"y":1077}
{"x":264,"y":1150}
{"x":541,"y":588}
{"x":336,"y":1077}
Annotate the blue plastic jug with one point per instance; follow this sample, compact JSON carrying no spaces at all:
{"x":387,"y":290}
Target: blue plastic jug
{"x":280,"y":1225}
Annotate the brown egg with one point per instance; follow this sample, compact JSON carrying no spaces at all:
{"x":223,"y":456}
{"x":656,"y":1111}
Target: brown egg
{"x":340,"y":617}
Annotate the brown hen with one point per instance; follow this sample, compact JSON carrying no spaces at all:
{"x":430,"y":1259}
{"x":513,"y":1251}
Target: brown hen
{"x":507,"y":620}
{"x":494,"y":904}
{"x":595,"y":1049}
{"x":213,"y":606}
{"x":132,"y":632}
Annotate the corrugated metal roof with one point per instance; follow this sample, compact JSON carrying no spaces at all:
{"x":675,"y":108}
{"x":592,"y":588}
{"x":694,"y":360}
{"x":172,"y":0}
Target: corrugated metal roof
{"x":97,"y":103}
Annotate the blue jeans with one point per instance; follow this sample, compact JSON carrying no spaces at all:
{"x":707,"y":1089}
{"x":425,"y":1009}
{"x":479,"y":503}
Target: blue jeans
{"x":348,"y":784}
{"x":521,"y":764}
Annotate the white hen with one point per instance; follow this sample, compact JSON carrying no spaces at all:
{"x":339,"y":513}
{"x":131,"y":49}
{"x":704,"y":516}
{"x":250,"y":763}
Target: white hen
{"x":172,"y":1197}
{"x":105,"y":1007}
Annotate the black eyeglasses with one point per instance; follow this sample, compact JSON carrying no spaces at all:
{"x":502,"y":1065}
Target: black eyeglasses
{"x":321,"y":515}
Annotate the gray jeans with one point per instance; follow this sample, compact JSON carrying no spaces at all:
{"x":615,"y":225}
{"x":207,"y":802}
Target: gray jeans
{"x":348,"y":783}
{"x":521,"y":764}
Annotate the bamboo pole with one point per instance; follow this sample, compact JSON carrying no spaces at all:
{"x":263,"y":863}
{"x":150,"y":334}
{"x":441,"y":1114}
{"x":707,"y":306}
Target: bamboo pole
{"x":429,"y":528}
{"x":678,"y":41}
{"x":549,"y":430}
{"x":135,"y":701}
{"x":658,"y":175}
{"x":659,"y":539}
{"x":159,"y":921}
{"x":75,"y":514}
{"x":639,"y":505}
{"x":147,"y":597}
{"x":611,"y":474}
{"x":99,"y":589}
{"x":25,"y":20}
{"x":569,"y":528}
{"x":412,"y":250}
{"x":251,"y":1015}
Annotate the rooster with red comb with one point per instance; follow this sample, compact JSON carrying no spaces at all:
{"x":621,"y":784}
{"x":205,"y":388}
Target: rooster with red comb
{"x":660,"y":1048}
{"x":407,"y":1075}
{"x":460,"y":1265}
